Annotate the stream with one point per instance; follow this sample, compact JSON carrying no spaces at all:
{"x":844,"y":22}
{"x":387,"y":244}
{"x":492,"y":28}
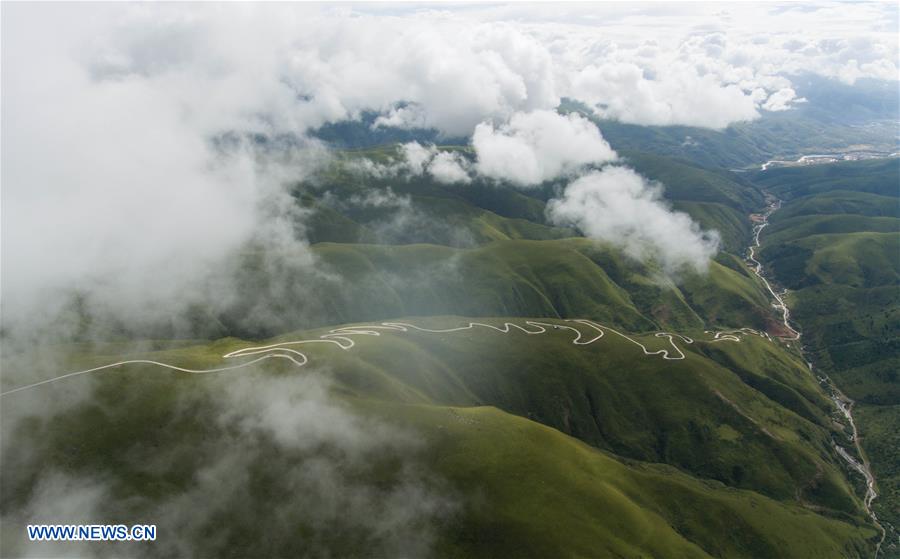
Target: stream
{"x":843,"y":403}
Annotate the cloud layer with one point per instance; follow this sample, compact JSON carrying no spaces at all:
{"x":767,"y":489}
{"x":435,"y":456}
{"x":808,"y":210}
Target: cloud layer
{"x":288,"y":468}
{"x":538,"y":146}
{"x":621,"y":207}
{"x":113,"y":185}
{"x":606,"y":202}
{"x":130,"y":132}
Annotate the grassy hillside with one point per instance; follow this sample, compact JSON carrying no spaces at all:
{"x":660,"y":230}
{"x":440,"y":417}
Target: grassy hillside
{"x":610,"y":395}
{"x":716,"y":199}
{"x":528,"y":445}
{"x":686,"y":181}
{"x":748,"y":145}
{"x":835,"y":244}
{"x":573,"y":277}
{"x":565,"y":499}
{"x":843,"y":268}
{"x":344,"y":203}
{"x":478,"y":442}
{"x":841,"y":202}
{"x":863,"y":259}
{"x":876,"y":176}
{"x":422,"y":219}
{"x":878,"y":428}
{"x":836,"y":118}
{"x":407,"y":245}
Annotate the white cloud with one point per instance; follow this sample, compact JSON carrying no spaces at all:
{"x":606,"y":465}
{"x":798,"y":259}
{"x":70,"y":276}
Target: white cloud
{"x":372,"y":199}
{"x":270,"y":451}
{"x":298,"y":413}
{"x":619,"y":206}
{"x":781,"y":100}
{"x":538,"y":146}
{"x":677,"y":95}
{"x":109,"y":174}
{"x":702,"y":67}
{"x":416,"y":157}
{"x":415,"y":160}
{"x":449,"y":168}
{"x":447,"y":73}
{"x":109,"y":177}
{"x":614,"y":204}
{"x":446,"y":167}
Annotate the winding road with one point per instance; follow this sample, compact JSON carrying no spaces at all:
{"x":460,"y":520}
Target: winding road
{"x":841,"y":401}
{"x":343,"y":338}
{"x":772,"y":206}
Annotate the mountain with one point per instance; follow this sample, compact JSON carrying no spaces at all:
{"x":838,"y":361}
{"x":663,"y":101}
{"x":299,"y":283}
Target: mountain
{"x":834,"y":245}
{"x":679,"y":431}
{"x":835,"y":118}
{"x":524,"y":444}
{"x":413,"y":246}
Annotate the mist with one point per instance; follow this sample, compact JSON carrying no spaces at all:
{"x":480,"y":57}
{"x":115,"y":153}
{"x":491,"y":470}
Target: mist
{"x":300,"y":470}
{"x":619,"y":206}
{"x":537,"y":147}
{"x":162,"y":173}
{"x":145,"y":149}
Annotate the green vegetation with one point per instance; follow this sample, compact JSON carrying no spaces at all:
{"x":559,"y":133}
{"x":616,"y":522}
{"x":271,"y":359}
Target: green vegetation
{"x":388,"y":246}
{"x":859,"y":259}
{"x":525,"y":445}
{"x":841,"y":202}
{"x":486,"y":212}
{"x":565,"y":278}
{"x":843,"y":269}
{"x":547,"y":495}
{"x":878,"y":430}
{"x":611,"y":396}
{"x":876,"y":176}
{"x":686,"y":181}
{"x":549,"y":448}
{"x":715,"y":199}
{"x":353,"y":206}
{"x":835,"y":244}
{"x":747,"y":145}
{"x":411,"y":246}
{"x":836,"y":118}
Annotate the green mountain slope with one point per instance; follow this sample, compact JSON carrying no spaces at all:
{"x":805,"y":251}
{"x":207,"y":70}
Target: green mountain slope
{"x":573,"y":277}
{"x":876,"y":176}
{"x":483,"y":441}
{"x":458,"y":215}
{"x":785,"y":229}
{"x":412,"y":246}
{"x":686,"y":181}
{"x":841,"y":202}
{"x":553,"y":496}
{"x":716,"y":199}
{"x":544,"y":446}
{"x":837,"y":118}
{"x":835,"y":244}
{"x":610,"y":395}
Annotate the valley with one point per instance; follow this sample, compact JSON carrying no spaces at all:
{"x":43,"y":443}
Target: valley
{"x":841,"y":402}
{"x":393,"y":280}
{"x":836,"y":190}
{"x":634,"y":377}
{"x":860,"y":154}
{"x":472,"y":383}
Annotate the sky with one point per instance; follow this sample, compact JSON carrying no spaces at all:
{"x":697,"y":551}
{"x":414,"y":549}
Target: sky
{"x":111,"y":171}
{"x":130,"y":191}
